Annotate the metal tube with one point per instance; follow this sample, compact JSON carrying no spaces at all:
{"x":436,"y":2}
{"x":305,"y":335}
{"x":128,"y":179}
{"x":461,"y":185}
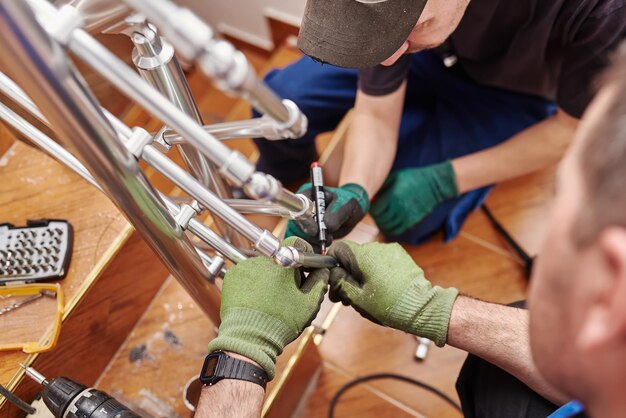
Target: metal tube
{"x":263,"y":127}
{"x":156,"y":62}
{"x":98,"y":15}
{"x":254,"y":206}
{"x":216,"y":57}
{"x":41,"y":66}
{"x":48,"y":145}
{"x":266,"y":245}
{"x":231,"y":163}
{"x":250,"y":128}
{"x":207,"y":235}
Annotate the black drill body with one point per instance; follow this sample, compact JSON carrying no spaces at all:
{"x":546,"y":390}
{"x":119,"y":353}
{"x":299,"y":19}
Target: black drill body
{"x":66,"y":398}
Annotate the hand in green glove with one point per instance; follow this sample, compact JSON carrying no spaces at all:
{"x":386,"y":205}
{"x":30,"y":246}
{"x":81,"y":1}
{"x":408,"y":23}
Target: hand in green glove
{"x":345,"y":207}
{"x":408,"y":195}
{"x":383,"y":284}
{"x":263,"y":309}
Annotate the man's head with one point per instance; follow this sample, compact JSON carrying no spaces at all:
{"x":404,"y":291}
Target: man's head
{"x":364,"y":33}
{"x":578,"y":292}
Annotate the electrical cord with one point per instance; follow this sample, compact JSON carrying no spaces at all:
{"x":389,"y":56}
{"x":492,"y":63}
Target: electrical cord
{"x":526,"y":259}
{"x":17,"y":401}
{"x":375,"y":376}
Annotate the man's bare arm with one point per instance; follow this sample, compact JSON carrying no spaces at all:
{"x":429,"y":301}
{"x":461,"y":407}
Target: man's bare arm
{"x":534,"y":148}
{"x":372,"y":139}
{"x":499,"y":335}
{"x":230,"y":398}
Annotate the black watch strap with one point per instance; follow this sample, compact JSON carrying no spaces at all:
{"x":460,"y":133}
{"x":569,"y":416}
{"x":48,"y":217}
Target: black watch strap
{"x":219,"y":365}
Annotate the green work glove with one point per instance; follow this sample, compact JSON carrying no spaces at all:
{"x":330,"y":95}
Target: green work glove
{"x":410,"y":194}
{"x":383,"y":284}
{"x":264,"y":308}
{"x":345,"y":207}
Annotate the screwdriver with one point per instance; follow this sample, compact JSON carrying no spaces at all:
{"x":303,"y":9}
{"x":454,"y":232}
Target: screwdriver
{"x":68,"y":399}
{"x":317,"y":180}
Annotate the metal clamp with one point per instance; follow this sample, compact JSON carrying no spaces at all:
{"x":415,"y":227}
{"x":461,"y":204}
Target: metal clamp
{"x":138,"y":141}
{"x":187,"y":212}
{"x":65,"y":21}
{"x":297,"y":124}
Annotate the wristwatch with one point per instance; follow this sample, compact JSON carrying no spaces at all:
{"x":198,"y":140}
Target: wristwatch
{"x":219,"y":365}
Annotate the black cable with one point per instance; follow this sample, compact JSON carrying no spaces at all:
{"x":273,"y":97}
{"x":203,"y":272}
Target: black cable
{"x":526,"y":259}
{"x":366,"y":378}
{"x":17,"y":401}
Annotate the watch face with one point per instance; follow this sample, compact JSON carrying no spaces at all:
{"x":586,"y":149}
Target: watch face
{"x":210,"y":366}
{"x":207,"y":376}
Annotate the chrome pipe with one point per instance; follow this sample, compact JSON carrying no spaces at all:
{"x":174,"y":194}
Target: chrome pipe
{"x":232,"y":163}
{"x":247,"y":206}
{"x":40,"y":64}
{"x":263,"y":240}
{"x":48,"y":145}
{"x":207,"y":235}
{"x":218,"y":59}
{"x":98,"y":15}
{"x":156,"y":62}
{"x":263,"y":127}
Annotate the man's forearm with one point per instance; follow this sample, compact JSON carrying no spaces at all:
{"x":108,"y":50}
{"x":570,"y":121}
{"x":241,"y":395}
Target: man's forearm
{"x":535,"y":148}
{"x":372,"y":140}
{"x":499,"y":335}
{"x":230,"y":398}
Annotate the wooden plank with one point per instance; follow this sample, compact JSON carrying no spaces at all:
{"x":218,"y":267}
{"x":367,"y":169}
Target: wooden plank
{"x":167,"y":347}
{"x":34,"y":187}
{"x":97,"y":327}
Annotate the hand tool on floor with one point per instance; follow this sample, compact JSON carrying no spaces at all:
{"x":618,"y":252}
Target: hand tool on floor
{"x":28,"y":294}
{"x":68,"y":399}
{"x":423,"y":345}
{"x":36,"y":252}
{"x":317,"y":180}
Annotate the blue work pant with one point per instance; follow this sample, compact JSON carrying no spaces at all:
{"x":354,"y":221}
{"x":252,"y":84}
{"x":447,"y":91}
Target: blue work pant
{"x":446,"y":115}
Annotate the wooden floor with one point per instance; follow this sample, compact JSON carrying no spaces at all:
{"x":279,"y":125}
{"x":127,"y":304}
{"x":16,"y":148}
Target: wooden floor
{"x":478,"y":262}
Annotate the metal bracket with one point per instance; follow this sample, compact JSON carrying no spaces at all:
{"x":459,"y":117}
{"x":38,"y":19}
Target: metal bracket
{"x":187,"y":212}
{"x":137,"y":141}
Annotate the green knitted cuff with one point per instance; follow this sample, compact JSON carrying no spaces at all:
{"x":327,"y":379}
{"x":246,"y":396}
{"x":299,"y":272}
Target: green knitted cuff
{"x":254,"y":335}
{"x":360,"y":194}
{"x":424,"y":312}
{"x":445,"y":181}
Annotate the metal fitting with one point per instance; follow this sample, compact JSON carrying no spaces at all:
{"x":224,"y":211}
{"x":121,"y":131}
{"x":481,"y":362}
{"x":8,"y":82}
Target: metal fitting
{"x":267,"y":244}
{"x":137,"y":141}
{"x":237,"y":168}
{"x":150,"y":52}
{"x":216,"y":266}
{"x":287,"y":257}
{"x":226,"y":65}
{"x":160,"y":142}
{"x":307,"y":211}
{"x":63,"y":24}
{"x":297,"y":124}
{"x":185,"y":215}
{"x":262,"y":186}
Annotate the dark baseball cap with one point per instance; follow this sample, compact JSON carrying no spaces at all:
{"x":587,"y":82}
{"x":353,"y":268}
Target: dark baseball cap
{"x":356,"y":33}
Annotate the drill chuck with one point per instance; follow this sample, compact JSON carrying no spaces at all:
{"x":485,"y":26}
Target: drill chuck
{"x":68,"y":399}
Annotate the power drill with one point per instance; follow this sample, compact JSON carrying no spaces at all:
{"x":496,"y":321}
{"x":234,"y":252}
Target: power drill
{"x":68,"y":399}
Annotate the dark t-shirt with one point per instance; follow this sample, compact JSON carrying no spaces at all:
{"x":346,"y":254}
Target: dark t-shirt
{"x":550,"y":48}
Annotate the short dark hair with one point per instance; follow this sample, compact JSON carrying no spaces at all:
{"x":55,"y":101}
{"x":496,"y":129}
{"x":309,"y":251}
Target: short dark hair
{"x":603,"y":160}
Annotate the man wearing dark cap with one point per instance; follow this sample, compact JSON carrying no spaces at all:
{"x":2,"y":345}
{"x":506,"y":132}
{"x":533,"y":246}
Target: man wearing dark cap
{"x":450,"y":97}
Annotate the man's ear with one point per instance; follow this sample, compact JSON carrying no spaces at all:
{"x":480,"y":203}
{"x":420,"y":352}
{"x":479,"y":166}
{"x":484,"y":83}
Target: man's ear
{"x":606,"y":320}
